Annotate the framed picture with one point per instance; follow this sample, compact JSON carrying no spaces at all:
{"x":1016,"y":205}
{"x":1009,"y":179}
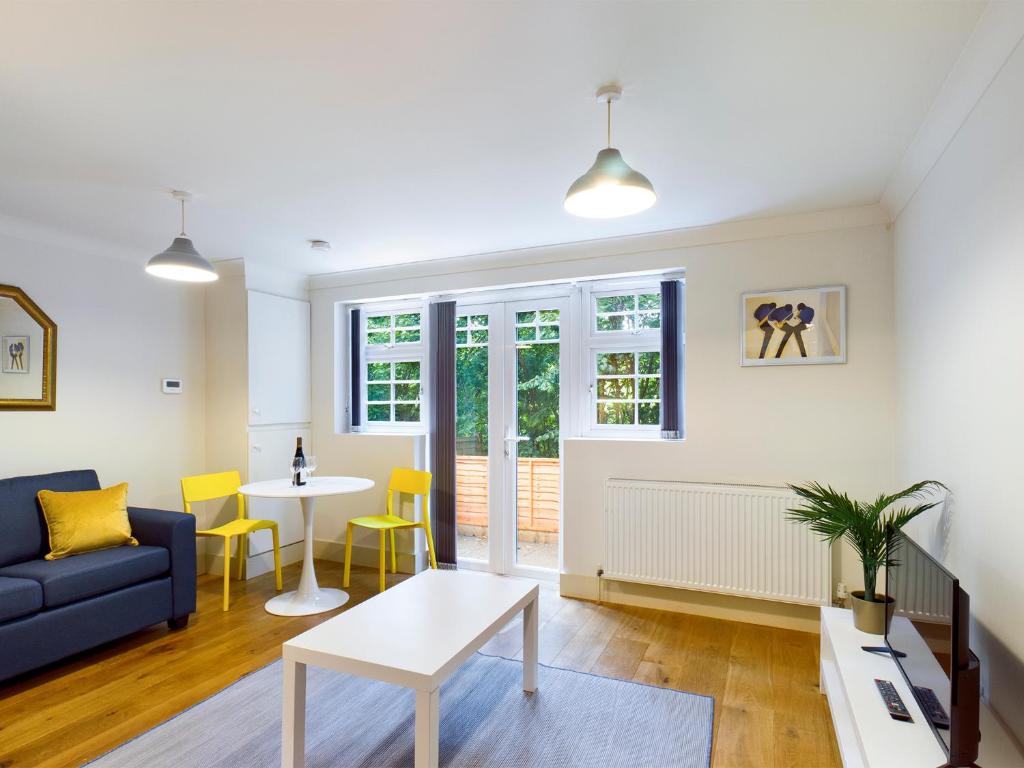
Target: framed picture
{"x":803,"y":326}
{"x":15,"y":354}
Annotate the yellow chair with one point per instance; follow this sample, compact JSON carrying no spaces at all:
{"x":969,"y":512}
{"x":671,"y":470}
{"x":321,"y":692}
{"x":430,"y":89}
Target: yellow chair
{"x":402,"y":481}
{"x":220,"y":485}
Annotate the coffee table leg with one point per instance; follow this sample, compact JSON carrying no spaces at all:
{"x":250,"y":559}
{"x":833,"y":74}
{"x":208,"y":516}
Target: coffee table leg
{"x":530,"y":645}
{"x":293,"y":720}
{"x":428,"y":722}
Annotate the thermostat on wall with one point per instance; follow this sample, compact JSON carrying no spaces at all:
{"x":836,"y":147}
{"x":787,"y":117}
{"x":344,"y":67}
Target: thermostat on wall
{"x":171,"y":386}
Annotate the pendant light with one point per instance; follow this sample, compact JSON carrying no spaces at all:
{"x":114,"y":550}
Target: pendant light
{"x":181,"y":261}
{"x":610,"y":188}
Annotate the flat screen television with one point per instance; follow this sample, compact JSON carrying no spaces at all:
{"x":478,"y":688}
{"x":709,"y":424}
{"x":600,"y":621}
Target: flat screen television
{"x":929,"y":639}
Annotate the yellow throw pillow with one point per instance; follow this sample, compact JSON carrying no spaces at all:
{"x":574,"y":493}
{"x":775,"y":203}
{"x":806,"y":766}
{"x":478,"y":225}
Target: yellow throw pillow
{"x":84,"y":521}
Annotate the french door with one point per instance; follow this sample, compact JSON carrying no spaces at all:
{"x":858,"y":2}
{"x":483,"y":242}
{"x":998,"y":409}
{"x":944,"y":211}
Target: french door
{"x":510,"y":402}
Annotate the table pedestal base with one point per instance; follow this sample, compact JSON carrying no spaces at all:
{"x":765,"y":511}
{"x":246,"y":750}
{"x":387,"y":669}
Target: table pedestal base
{"x":295,"y":604}
{"x":309,"y":598}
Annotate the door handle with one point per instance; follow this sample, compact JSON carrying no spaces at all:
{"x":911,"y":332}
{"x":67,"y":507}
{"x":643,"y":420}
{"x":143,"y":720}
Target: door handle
{"x":513,"y":439}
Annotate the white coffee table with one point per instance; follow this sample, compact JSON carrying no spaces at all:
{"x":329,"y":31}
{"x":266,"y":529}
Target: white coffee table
{"x":309,"y":598}
{"x":415,"y":634}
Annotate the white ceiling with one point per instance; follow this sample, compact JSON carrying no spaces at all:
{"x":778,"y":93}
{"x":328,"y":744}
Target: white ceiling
{"x":420,"y":130}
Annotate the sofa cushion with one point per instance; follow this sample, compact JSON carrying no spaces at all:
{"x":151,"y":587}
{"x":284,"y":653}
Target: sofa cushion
{"x":19,"y":597}
{"x":23,"y":534}
{"x":93,"y":573}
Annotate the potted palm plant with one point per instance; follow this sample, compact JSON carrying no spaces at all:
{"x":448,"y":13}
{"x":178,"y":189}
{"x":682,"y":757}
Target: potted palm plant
{"x":867,"y":526}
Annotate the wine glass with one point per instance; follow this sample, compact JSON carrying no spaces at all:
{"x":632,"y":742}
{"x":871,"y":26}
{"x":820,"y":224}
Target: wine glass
{"x":310,"y":466}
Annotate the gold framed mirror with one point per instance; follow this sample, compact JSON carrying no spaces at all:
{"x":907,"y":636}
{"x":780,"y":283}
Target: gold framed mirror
{"x":28,"y":354}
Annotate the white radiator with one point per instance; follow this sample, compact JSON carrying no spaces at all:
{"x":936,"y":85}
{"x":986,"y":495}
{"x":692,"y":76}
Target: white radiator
{"x":714,"y":538}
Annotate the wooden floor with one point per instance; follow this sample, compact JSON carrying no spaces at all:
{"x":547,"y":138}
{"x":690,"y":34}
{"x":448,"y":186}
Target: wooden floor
{"x":768,"y":711}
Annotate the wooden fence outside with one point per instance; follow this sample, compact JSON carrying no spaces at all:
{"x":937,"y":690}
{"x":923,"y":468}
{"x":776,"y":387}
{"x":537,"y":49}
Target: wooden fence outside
{"x":538,"y":492}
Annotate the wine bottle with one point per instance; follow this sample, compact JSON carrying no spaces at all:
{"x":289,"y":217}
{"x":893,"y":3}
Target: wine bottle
{"x":298,"y":463}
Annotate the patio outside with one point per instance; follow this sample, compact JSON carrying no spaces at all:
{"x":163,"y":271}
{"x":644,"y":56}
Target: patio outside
{"x":538,"y":495}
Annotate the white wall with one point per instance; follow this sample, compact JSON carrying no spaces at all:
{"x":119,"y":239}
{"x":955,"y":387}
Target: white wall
{"x":752,"y":425}
{"x":959,"y":253}
{"x":766,"y":425}
{"x":119,"y":332}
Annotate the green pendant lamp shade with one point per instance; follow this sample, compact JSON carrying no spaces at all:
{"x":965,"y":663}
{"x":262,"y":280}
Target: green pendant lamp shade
{"x":610,"y":188}
{"x":181,"y":261}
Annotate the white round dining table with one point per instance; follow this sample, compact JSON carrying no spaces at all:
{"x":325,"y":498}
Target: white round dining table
{"x":309,"y":598}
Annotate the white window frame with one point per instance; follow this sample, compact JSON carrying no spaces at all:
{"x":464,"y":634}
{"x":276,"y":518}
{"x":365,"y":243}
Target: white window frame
{"x":393,"y":353}
{"x":634,"y":340}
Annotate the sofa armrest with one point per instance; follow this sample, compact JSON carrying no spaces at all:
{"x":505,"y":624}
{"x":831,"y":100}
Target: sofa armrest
{"x":175,"y":532}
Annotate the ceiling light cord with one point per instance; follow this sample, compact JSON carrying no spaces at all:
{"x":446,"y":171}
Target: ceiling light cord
{"x":183,"y":218}
{"x":609,"y":121}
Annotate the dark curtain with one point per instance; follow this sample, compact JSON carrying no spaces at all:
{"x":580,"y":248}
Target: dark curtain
{"x":355,"y":411}
{"x":672,"y":359}
{"x":442,"y":430}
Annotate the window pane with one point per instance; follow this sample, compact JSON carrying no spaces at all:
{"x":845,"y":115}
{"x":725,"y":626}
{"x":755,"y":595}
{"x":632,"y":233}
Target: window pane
{"x":648,"y":388}
{"x":407,"y":337}
{"x":478,"y":337}
{"x":407,"y":320}
{"x":407,"y":412}
{"x":378,"y":391}
{"x":549,"y":332}
{"x":614,"y":413}
{"x":650,"y":362}
{"x":648,"y":320}
{"x":378,"y":371}
{"x":526,"y":333}
{"x":376,"y":323}
{"x":407,"y":391}
{"x":523,"y":318}
{"x":612,"y":323}
{"x":460,"y":337}
{"x":549,"y":315}
{"x":407,"y":371}
{"x":616,"y":303}
{"x":650,"y":301}
{"x":480,"y":321}
{"x":378,"y":337}
{"x":650,"y":413}
{"x":378,"y":413}
{"x":461,"y":321}
{"x":614,"y":362}
{"x":615,"y":389}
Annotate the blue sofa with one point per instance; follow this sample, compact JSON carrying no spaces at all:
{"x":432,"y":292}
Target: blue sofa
{"x":50,"y":609}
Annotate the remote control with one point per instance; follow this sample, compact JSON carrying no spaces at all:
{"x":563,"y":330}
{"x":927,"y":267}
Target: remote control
{"x":932,"y":707}
{"x":893,"y":702}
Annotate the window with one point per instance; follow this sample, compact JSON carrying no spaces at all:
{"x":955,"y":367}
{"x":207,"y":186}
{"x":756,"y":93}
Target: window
{"x":393,"y":391}
{"x":628,"y":388}
{"x":623,"y":358}
{"x":393,"y":367}
{"x":537,"y":326}
{"x":471,"y":331}
{"x":393,"y":329}
{"x":633,"y":312}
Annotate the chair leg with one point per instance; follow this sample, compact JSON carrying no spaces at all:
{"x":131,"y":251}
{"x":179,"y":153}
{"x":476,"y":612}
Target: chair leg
{"x":383,"y":541}
{"x":394,"y":556}
{"x":227,"y":570}
{"x":242,"y":546}
{"x":430,"y":546}
{"x":277,"y":557}
{"x":348,"y":555}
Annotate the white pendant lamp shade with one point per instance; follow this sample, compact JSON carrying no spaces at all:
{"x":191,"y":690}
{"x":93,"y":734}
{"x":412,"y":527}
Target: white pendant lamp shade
{"x":181,"y":261}
{"x":610,"y":188}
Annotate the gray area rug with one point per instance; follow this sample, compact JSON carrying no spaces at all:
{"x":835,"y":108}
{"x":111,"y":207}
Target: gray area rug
{"x":573,"y":719}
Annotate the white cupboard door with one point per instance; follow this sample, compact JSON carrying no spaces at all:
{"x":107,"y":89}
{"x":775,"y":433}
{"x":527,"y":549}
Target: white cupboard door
{"x":278,"y":360}
{"x":270,"y":457}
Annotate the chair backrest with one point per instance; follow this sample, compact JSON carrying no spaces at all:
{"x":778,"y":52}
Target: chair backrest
{"x":409,"y":481}
{"x":218,"y":485}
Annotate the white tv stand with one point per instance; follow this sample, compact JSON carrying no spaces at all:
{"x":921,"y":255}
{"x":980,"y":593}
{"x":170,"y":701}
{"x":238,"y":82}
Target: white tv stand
{"x":867,"y":736}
